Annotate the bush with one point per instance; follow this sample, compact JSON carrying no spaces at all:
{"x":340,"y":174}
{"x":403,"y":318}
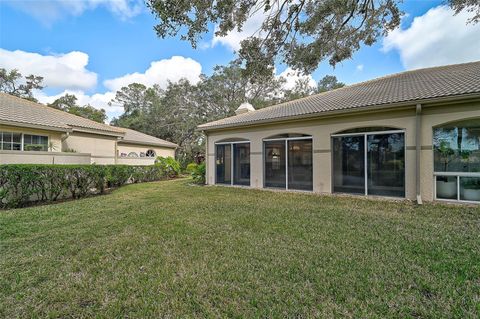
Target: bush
{"x":23,"y":183}
{"x":197,"y":171}
{"x":191,"y":168}
{"x":169,"y":165}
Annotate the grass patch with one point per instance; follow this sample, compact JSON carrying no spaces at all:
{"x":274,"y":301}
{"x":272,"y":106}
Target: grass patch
{"x":174,"y":250}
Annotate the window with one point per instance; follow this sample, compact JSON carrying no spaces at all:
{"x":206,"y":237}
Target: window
{"x":349,"y":164}
{"x":241,"y":164}
{"x":232,"y":163}
{"x":150,"y":153}
{"x":10,"y":141}
{"x":35,"y":143}
{"x":369,"y":163}
{"x":132,"y":154}
{"x":288,"y":162}
{"x":456,"y":149}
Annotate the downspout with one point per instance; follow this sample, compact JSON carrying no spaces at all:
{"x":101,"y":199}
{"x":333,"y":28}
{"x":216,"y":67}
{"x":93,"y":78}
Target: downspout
{"x":62,"y":139}
{"x":206,"y":157}
{"x":418,"y":150}
{"x":116,"y":151}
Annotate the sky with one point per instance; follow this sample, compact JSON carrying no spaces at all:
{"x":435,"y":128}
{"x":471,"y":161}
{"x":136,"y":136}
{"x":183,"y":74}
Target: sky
{"x":92,"y":48}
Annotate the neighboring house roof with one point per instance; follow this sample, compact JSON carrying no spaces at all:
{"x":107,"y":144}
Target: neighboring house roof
{"x":135,"y":137}
{"x":21,"y":111}
{"x":24,"y":113}
{"x":412,"y":86}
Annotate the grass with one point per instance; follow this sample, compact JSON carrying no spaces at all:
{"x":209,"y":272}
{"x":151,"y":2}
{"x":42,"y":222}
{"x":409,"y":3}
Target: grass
{"x":168,"y":249}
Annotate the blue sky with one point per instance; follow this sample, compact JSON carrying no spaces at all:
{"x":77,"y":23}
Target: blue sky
{"x":92,"y":48}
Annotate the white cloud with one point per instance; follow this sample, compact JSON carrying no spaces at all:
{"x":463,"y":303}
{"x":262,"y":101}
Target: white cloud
{"x":97,"y":100}
{"x":437,"y":38}
{"x":291,"y":76}
{"x":160,"y":72}
{"x":360,"y":67}
{"x":233,"y":38}
{"x":49,"y":11}
{"x":59,"y":71}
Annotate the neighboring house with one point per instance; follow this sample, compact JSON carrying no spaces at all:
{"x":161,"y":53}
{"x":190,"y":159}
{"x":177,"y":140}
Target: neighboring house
{"x":413,"y":135}
{"x":37,"y":134}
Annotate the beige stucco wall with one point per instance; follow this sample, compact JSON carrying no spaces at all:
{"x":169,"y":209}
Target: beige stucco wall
{"x":159,"y":151}
{"x":19,"y":157}
{"x":97,"y":145}
{"x":54,"y":137}
{"x":322,"y":129}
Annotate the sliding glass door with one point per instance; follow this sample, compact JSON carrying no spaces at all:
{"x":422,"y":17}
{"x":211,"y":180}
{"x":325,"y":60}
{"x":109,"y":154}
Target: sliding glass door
{"x":370,"y":163}
{"x":300,"y":164}
{"x":386,"y":164}
{"x":224,"y":164}
{"x":275,"y":164}
{"x":349,"y":164}
{"x":288,"y":162}
{"x":232,"y":163}
{"x":241,"y":164}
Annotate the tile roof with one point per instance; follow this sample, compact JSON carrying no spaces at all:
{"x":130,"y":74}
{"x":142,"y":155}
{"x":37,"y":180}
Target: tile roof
{"x":136,"y":137}
{"x":410,"y":86}
{"x":21,"y":112}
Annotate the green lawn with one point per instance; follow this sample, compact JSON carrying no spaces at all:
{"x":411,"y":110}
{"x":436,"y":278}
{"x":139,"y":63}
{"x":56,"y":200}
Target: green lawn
{"x":174,"y":250}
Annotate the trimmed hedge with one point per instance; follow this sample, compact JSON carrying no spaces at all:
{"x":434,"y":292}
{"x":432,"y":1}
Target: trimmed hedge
{"x":24,"y":183}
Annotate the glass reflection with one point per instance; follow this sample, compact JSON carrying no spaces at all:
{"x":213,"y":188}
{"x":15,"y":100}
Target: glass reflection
{"x":348,"y":164}
{"x":300,"y":165}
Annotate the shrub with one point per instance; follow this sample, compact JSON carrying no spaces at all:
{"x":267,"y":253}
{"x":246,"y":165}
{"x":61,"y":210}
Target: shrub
{"x":197,"y":171}
{"x":169,"y":165}
{"x":117,"y":175}
{"x":191,"y":168}
{"x":23,"y":183}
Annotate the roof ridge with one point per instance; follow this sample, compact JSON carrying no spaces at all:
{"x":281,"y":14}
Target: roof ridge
{"x":49,"y":108}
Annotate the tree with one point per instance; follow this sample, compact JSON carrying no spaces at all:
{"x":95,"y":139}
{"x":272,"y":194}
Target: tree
{"x":137,"y":100}
{"x":301,"y":89}
{"x":68,"y":103}
{"x":89,"y":112}
{"x":300,"y":33}
{"x":228,"y":87}
{"x":11,"y":83}
{"x":328,"y":83}
{"x":64,"y":103}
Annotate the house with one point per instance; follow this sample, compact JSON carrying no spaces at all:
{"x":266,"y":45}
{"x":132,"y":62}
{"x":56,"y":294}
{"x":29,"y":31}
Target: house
{"x":37,"y":134}
{"x":412,"y":135}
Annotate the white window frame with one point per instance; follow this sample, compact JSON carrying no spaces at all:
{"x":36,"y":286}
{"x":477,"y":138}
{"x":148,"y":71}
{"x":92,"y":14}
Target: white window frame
{"x":32,"y":134}
{"x":365,"y":157}
{"x":231,"y":161}
{"x":285,"y":139}
{"x":457,"y":175}
{"x":154,"y":153}
{"x":22,"y":142}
